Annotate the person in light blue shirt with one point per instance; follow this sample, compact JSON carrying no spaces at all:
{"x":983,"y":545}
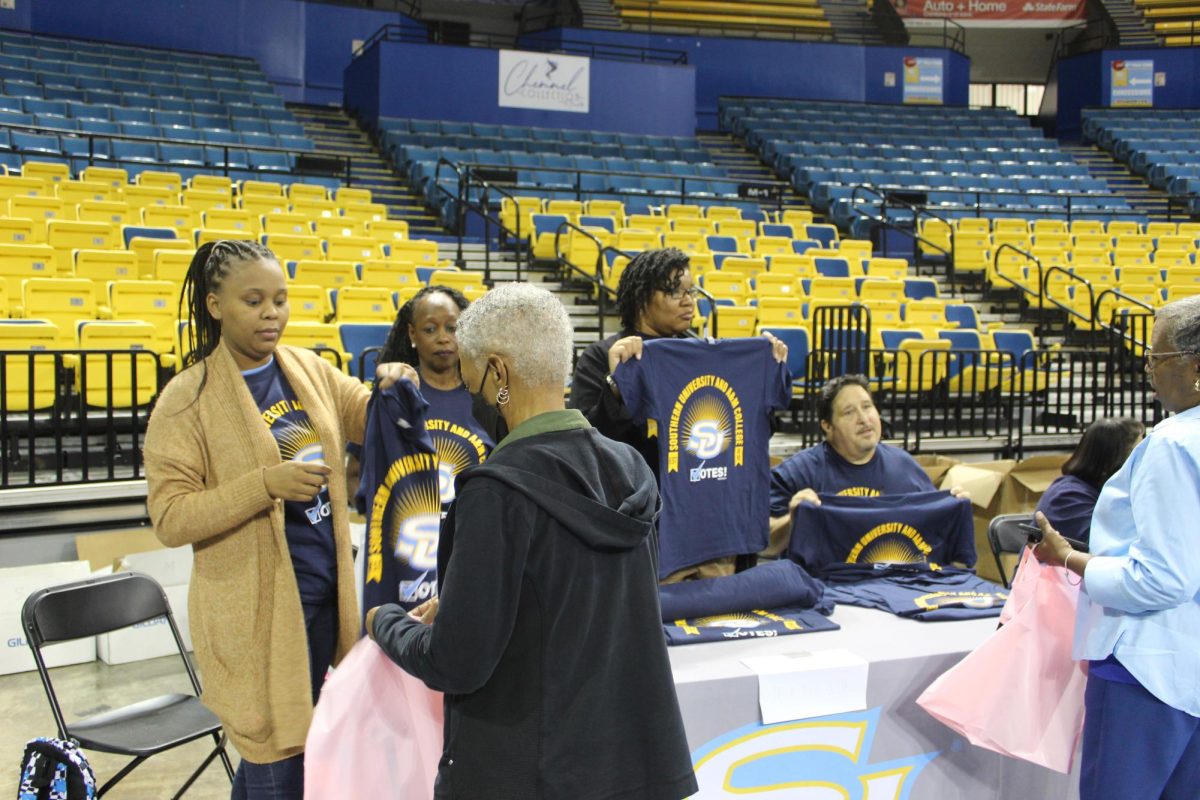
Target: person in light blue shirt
{"x":1138,"y":622}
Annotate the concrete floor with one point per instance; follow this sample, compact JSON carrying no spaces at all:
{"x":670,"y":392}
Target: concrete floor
{"x":85,"y":689}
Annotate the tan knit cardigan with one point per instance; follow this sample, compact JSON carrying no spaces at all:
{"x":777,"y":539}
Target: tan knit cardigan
{"x":205,"y":455}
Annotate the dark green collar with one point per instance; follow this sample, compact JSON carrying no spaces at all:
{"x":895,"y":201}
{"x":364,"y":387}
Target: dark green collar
{"x":568,"y":419}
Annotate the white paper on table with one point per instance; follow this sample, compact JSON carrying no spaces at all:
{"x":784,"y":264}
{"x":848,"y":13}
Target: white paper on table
{"x":801,"y":685}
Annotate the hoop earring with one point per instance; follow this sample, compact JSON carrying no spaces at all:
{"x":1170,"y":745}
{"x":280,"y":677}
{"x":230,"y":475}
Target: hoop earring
{"x":1196,"y":385}
{"x":502,"y":396}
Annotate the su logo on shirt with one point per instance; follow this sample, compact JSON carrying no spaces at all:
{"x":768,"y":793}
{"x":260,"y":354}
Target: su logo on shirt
{"x":706,"y":421}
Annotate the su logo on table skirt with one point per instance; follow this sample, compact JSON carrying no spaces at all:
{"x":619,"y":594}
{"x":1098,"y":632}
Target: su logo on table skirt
{"x":814,"y":759}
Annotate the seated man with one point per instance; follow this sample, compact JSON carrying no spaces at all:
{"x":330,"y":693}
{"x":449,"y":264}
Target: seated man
{"x":851,"y":460}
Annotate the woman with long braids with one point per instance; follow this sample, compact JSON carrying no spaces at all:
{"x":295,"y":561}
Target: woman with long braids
{"x":237,"y":467}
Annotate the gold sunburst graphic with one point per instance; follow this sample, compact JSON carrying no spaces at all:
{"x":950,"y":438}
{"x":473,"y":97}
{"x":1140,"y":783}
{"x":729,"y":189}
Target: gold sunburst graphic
{"x":893,"y":548}
{"x":298,"y":441}
{"x":742,"y":620}
{"x":707,"y":426}
{"x":419,"y":496}
{"x":452,"y":450}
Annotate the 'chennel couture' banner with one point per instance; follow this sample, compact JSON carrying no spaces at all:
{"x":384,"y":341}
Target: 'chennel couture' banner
{"x":546,"y":81}
{"x":968,"y":11}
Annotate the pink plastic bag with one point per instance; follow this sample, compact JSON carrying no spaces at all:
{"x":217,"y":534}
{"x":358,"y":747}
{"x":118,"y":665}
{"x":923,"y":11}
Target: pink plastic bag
{"x":376,"y":732}
{"x":1019,"y":693}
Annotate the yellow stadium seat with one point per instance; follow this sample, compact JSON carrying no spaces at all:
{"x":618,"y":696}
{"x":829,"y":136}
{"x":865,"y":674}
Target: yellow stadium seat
{"x":365,"y":212}
{"x":794,"y":264}
{"x":160,"y":178}
{"x":253,"y":188}
{"x":743,"y":229}
{"x":1051,"y":240}
{"x":1133,"y":241}
{"x":1078,"y":226}
{"x":333,"y":227}
{"x":21,"y":261}
{"x":48,"y":173}
{"x":726,"y":285}
{"x":776,"y":285}
{"x":1172,"y":258}
{"x":781,"y":229}
{"x":1042,"y":227}
{"x":308,"y":303}
{"x":364,"y":304}
{"x":67,"y":236}
{"x":925,"y":314}
{"x":203,"y":236}
{"x":1139,"y":278}
{"x":287,"y":247}
{"x":890,"y":268}
{"x":775,"y":311}
{"x":205,"y":199}
{"x":30,"y":338}
{"x":698,"y":225}
{"x":935,"y":236}
{"x":75,"y":192}
{"x":1123,"y":227}
{"x":307,"y":191}
{"x":1099,"y":240}
{"x":461,"y":279}
{"x":17,"y":186}
{"x":771,"y":245}
{"x":327,"y":274}
{"x":63,"y":301}
{"x":735,"y":322}
{"x":851,"y":248}
{"x":5,"y":305}
{"x":1019,"y":239}
{"x":128,"y":370}
{"x":515,"y":215}
{"x":1007,"y":225}
{"x":211,"y":183}
{"x":569,"y":208}
{"x":321,"y":337}
{"x":352,"y":194}
{"x":182,"y":219}
{"x":612,"y":277}
{"x":797,"y":217}
{"x":1090,"y":256}
{"x":683,"y":210}
{"x":18,"y":230}
{"x":972,"y":225}
{"x":1175,"y":242}
{"x":39,"y":209}
{"x":293,"y":224}
{"x":139,"y":196}
{"x":352,"y":248}
{"x":747,"y":266}
{"x":723,"y":212}
{"x":102,"y":266}
{"x":841,"y":289}
{"x":647,"y":223}
{"x":687,"y":242}
{"x":1158,"y":229}
{"x":114,"y":212}
{"x":881,"y":289}
{"x":699,"y":263}
{"x":606,"y":208}
{"x":386,"y":231}
{"x":170,"y":265}
{"x":395,"y":275}
{"x":155,"y":302}
{"x":1181,"y":291}
{"x":885,"y":313}
{"x":116,"y":177}
{"x":314,"y":209}
{"x":261,"y":204}
{"x":1130,"y":256}
{"x":418,"y":252}
{"x":230,"y":219}
{"x":145,"y":247}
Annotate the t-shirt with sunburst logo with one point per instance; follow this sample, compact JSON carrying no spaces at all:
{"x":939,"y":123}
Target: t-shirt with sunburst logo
{"x":710,"y":405}
{"x":919,"y":528}
{"x":820,"y":468}
{"x":307,"y":525}
{"x":458,"y":438}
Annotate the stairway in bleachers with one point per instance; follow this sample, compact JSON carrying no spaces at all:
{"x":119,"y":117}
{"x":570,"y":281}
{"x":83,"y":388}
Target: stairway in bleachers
{"x":335,"y":133}
{"x":599,"y":14}
{"x":851,"y":21}
{"x":1141,"y":196}
{"x":1132,"y":30}
{"x":743,"y":164}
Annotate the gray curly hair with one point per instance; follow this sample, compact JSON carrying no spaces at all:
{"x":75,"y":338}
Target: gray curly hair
{"x":1182,"y":319}
{"x":525,"y":323}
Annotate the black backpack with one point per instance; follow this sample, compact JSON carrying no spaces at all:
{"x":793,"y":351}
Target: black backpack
{"x":54,"y":769}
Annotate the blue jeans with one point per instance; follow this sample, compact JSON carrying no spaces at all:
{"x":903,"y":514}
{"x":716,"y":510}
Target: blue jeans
{"x":284,"y":780}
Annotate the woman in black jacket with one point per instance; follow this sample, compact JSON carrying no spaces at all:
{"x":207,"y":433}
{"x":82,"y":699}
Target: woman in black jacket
{"x":547,"y":641}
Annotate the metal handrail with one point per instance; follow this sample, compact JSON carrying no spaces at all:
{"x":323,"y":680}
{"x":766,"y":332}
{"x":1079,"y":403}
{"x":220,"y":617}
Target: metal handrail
{"x":459,"y":211}
{"x":597,"y":278}
{"x":917,"y":212}
{"x":489,"y":220}
{"x":1041,"y":279}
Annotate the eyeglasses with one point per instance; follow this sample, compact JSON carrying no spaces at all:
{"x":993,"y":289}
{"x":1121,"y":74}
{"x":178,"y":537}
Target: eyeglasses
{"x":1154,"y":359}
{"x":679,"y":294}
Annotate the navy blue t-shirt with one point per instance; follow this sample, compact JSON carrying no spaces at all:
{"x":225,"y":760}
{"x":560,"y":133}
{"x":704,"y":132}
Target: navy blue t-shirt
{"x":307,"y":525}
{"x":915,"y":591}
{"x":1068,"y":503}
{"x":757,"y":624}
{"x":710,"y":404}
{"x":399,"y":493}
{"x":458,"y":438}
{"x":820,"y":468}
{"x":924,"y":527}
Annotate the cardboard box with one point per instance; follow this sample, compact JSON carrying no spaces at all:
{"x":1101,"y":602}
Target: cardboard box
{"x":170,"y":567}
{"x":104,"y":549}
{"x":936,"y":467}
{"x":1002,"y":487}
{"x":16,"y":584}
{"x":149,"y":639}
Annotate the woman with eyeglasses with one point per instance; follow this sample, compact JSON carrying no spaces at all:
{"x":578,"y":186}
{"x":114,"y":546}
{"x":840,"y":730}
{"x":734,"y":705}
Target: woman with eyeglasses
{"x":656,"y":299}
{"x":1138,"y":621}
